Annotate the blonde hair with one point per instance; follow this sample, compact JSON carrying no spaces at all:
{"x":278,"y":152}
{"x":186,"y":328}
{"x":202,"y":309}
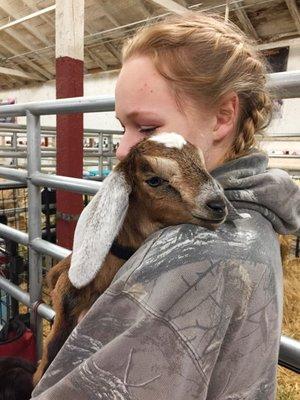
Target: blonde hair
{"x":205,"y":57}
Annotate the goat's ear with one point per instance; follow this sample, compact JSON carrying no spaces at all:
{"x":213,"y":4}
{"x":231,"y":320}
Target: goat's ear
{"x":97,"y":227}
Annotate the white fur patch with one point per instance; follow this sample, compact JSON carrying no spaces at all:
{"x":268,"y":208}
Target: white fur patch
{"x":245,"y":215}
{"x":97,"y":227}
{"x":171,"y":139}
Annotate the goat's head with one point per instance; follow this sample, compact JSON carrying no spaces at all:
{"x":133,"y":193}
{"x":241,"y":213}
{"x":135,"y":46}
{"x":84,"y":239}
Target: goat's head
{"x":166,"y":177}
{"x":169,"y":181}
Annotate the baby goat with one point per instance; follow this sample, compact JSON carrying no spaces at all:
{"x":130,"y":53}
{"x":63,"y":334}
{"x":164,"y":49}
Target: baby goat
{"x":161,"y":182}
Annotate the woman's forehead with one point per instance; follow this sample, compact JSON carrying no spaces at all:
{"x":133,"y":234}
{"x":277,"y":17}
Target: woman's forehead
{"x":140,"y":85}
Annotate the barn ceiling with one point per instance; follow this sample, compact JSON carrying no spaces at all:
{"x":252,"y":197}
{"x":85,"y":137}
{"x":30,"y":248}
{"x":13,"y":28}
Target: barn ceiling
{"x":27,"y":30}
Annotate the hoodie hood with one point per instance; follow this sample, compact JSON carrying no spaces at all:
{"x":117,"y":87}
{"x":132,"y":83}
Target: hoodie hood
{"x":249,"y":184}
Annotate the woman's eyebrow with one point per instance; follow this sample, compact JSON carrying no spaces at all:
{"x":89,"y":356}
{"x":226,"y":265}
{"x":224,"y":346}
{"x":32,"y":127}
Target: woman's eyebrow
{"x":136,"y":113}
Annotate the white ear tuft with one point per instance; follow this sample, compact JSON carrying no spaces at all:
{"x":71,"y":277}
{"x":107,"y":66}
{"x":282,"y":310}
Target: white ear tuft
{"x":97,"y":227}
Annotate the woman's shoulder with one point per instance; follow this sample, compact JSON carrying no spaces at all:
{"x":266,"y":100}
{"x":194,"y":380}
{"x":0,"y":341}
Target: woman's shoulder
{"x":180,"y":257}
{"x":249,"y":238}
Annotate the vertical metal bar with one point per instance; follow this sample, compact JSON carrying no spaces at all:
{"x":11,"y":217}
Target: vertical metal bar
{"x":111,"y":149}
{"x":34,"y":223}
{"x":14,"y":144}
{"x":101,"y":151}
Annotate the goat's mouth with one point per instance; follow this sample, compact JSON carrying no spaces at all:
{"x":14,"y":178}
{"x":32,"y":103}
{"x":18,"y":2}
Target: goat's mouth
{"x":215,"y":221}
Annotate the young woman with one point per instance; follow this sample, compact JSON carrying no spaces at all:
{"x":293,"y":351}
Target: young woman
{"x":194,"y":314}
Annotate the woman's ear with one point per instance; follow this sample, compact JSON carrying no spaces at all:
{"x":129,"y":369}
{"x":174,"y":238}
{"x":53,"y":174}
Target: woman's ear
{"x":227,"y":112}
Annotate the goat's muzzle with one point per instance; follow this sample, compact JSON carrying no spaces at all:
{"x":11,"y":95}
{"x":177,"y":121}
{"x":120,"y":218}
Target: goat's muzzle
{"x":212,"y":212}
{"x":218,"y":208}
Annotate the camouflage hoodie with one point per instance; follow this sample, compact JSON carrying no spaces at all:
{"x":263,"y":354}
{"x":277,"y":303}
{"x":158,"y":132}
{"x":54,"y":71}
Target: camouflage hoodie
{"x":193,"y":314}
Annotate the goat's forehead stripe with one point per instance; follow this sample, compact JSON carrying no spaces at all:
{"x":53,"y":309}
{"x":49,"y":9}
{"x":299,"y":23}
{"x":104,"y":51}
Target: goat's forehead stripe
{"x":169,"y":140}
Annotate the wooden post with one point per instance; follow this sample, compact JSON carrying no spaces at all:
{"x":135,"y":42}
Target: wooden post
{"x":69,"y":23}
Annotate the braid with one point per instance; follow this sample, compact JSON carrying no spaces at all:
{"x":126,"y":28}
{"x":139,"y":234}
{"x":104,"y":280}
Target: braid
{"x":256,"y":120}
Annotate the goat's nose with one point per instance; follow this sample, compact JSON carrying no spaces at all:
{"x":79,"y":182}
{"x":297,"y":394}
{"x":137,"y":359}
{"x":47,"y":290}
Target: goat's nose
{"x":218,"y":206}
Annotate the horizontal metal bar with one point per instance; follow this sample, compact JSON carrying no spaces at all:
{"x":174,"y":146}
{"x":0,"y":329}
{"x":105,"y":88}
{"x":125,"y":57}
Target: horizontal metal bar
{"x":289,"y":353}
{"x":53,"y":250}
{"x":50,"y":154}
{"x":13,"y":174}
{"x":285,"y":85}
{"x":63,"y":182}
{"x":52,"y":129}
{"x":52,"y":164}
{"x":7,"y":232}
{"x":289,"y":156}
{"x":13,"y":290}
{"x":7,"y":184}
{"x":14,"y":154}
{"x":23,"y":134}
{"x":13,"y":211}
{"x":87,"y":150}
{"x":40,"y":245}
{"x":61,"y":106}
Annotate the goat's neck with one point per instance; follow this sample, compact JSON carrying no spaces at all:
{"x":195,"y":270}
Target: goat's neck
{"x":137,"y":227}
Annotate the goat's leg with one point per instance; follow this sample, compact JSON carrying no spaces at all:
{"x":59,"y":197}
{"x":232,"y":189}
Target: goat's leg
{"x":56,"y":271}
{"x":52,"y":278}
{"x":60,"y":329}
{"x":69,"y":304}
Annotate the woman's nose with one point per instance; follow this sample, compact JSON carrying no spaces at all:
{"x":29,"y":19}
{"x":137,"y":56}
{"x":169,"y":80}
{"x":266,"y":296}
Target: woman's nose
{"x":127,"y":142}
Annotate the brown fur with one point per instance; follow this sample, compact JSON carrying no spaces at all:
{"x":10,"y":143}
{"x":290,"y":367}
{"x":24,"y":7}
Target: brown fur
{"x":185,"y":174}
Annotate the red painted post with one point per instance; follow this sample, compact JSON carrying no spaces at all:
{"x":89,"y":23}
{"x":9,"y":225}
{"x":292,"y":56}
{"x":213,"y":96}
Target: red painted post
{"x":69,"y":83}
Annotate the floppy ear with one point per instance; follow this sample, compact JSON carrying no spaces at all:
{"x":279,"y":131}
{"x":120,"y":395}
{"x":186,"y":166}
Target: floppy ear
{"x":97,"y":227}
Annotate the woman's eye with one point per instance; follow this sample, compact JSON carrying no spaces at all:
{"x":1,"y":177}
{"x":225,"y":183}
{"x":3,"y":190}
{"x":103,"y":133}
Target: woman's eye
{"x":155,"y":181}
{"x":147,"y":129}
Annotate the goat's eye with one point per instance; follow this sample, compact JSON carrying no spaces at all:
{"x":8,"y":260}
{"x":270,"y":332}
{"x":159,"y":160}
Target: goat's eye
{"x":155,"y":181}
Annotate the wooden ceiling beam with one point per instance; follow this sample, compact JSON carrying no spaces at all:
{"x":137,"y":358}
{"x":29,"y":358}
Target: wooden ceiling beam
{"x":111,"y":18}
{"x":112,"y":49}
{"x":6,"y":7}
{"x":26,"y":18}
{"x":31,"y":4}
{"x":170,"y":5}
{"x":12,"y":50}
{"x":244,"y":20}
{"x":293,"y":9}
{"x":97,"y":60}
{"x":183,"y":3}
{"x":19,"y":73}
{"x":10,"y":82}
{"x":19,"y":38}
{"x":16,"y":36}
{"x":39,"y":69}
{"x":107,"y":13}
{"x":143,"y":8}
{"x":7,"y":78}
